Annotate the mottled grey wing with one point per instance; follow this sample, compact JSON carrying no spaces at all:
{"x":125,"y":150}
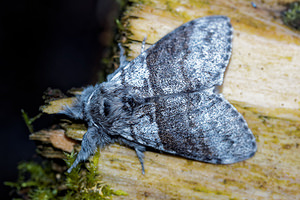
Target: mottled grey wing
{"x":201,"y":125}
{"x":184,"y":116}
{"x":192,"y":57}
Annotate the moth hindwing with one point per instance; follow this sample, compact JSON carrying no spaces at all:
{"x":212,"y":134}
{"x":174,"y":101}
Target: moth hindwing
{"x":166,"y":99}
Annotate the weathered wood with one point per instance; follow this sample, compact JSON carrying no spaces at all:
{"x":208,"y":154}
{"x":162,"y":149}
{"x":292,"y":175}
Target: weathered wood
{"x":263,"y":83}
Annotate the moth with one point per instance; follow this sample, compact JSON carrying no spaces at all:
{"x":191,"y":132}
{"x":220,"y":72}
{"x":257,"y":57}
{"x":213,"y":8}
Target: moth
{"x":166,"y":99}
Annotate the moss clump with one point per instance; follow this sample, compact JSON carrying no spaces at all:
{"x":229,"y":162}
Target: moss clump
{"x":291,"y":17}
{"x":45,"y":181}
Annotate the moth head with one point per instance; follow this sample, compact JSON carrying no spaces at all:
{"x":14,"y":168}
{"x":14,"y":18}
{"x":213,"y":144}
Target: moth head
{"x":78,"y":109}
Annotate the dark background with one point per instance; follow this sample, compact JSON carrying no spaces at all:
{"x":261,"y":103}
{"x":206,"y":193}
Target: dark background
{"x":48,"y":43}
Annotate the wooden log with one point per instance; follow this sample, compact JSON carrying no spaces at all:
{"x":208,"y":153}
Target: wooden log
{"x":263,"y":83}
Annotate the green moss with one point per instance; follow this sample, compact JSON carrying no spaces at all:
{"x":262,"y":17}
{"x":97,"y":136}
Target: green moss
{"x":291,"y":17}
{"x":28,"y":120}
{"x":41,"y":181}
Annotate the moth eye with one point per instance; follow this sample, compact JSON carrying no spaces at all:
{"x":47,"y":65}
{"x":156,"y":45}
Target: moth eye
{"x":106,"y":108}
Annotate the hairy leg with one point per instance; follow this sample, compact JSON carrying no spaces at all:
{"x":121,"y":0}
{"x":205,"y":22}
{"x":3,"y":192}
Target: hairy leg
{"x":139,"y":149}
